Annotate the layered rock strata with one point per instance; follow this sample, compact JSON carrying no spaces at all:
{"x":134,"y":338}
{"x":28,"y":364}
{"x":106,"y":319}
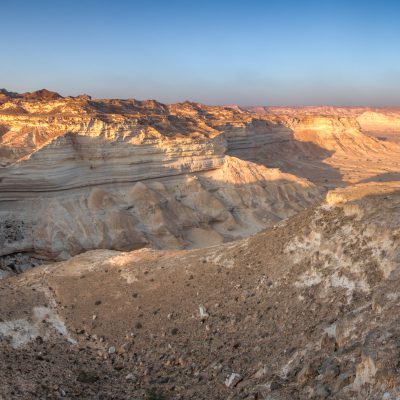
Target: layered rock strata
{"x":80,"y":174}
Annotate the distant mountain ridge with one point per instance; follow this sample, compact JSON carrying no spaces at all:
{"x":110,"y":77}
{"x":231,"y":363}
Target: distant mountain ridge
{"x":42,"y":94}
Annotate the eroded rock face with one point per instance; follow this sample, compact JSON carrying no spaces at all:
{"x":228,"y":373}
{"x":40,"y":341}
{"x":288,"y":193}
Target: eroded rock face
{"x":331,"y":146}
{"x":379,"y":122}
{"x":79,"y":174}
{"x":305,"y":309}
{"x":234,"y":201}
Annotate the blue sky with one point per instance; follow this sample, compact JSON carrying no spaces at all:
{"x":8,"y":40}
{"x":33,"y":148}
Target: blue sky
{"x":217,"y":52}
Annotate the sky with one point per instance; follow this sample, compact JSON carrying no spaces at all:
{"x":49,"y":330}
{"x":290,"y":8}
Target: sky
{"x":247,"y":52}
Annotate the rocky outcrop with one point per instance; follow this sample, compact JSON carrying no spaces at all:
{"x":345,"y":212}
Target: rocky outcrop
{"x":43,"y":94}
{"x":308,"y":308}
{"x":383,"y":123}
{"x":74,"y":161}
{"x":236,"y":200}
{"x":329,"y":146}
{"x":79,"y":174}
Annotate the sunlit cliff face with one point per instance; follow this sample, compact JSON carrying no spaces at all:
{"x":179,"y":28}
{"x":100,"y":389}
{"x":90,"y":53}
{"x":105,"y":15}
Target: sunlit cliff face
{"x":78,"y":173}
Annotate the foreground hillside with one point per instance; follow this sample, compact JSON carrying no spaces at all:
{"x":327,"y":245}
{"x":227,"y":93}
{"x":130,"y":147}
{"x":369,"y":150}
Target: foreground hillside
{"x":79,"y":174}
{"x":306,"y":310}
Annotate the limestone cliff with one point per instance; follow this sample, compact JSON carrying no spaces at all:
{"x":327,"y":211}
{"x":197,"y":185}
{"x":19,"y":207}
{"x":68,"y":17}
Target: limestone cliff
{"x":79,"y":174}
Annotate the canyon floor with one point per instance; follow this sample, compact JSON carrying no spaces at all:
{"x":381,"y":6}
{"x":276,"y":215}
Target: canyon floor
{"x":183,"y":251}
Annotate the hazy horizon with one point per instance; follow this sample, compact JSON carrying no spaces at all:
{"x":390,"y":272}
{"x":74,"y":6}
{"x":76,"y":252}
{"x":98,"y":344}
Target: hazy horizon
{"x":287,"y":53}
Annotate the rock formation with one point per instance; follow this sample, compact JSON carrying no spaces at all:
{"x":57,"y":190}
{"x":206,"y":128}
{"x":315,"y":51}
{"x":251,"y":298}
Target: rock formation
{"x":180,"y":295}
{"x":79,"y":174}
{"x":383,"y":123}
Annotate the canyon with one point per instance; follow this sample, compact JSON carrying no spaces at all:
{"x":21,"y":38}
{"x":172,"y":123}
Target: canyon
{"x":184,"y":251}
{"x":79,"y":174}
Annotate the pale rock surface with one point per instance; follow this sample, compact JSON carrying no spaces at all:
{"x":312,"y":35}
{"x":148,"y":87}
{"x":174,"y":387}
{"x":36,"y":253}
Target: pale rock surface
{"x":79,"y":174}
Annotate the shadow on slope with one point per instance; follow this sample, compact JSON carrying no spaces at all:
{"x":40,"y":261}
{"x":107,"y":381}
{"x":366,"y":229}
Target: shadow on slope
{"x":274,"y":145}
{"x":386,"y":177}
{"x":81,"y":192}
{"x":184,"y":211}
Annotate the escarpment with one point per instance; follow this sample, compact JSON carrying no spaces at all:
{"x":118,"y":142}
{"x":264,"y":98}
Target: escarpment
{"x":79,"y":174}
{"x":332,"y":146}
